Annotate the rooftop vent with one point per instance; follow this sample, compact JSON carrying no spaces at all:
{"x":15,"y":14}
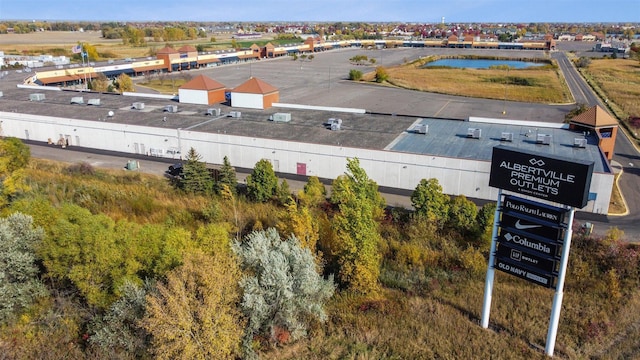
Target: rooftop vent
{"x":36,"y":97}
{"x":421,"y":129}
{"x":334,"y":124}
{"x":95,"y":102}
{"x":171,"y":108}
{"x":506,"y":136}
{"x":212,"y":112}
{"x":543,"y":139}
{"x":137,"y":105}
{"x":474,"y":133}
{"x":77,"y":100}
{"x":281,"y":117}
{"x":580,"y":142}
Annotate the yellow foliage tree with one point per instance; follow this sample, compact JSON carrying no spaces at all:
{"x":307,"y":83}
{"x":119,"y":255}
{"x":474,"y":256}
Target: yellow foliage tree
{"x":193,"y":315}
{"x":299,"y":222}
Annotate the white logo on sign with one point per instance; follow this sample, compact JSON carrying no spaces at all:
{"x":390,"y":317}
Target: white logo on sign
{"x":520,"y":226}
{"x":537,"y":162}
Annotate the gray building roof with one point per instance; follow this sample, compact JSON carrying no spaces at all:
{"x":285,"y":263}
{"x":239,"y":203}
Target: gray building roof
{"x":449,"y":138}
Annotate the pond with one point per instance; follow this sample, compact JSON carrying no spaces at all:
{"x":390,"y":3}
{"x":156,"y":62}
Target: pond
{"x":482,"y":63}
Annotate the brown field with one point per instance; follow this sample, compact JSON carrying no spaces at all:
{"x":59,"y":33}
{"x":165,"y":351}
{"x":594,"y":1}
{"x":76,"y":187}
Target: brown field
{"x":545,"y":85}
{"x":60,"y":43}
{"x":619,"y":82}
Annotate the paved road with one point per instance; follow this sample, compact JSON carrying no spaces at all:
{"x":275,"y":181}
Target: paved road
{"x":625,"y":154}
{"x":580,"y":90}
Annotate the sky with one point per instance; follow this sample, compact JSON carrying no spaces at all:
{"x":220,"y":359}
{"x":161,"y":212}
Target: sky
{"x":420,"y":11}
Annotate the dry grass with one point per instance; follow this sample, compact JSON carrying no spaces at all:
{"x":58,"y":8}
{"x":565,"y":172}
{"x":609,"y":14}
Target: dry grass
{"x":165,"y":86}
{"x":616,"y":204}
{"x":619,"y":80}
{"x":544,"y":85}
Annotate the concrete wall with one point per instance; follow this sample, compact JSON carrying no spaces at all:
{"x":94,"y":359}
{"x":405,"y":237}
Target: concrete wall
{"x":244,"y":100}
{"x":190,"y":96}
{"x":390,"y":169}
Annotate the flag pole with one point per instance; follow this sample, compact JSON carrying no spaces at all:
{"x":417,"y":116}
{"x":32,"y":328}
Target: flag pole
{"x":82,"y":55}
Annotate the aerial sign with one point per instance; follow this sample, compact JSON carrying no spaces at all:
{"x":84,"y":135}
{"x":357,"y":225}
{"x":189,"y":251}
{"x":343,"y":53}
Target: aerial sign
{"x":555,"y":179}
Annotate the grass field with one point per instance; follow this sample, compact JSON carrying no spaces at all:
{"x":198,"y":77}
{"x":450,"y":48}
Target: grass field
{"x":539,"y":85}
{"x":619,"y":81}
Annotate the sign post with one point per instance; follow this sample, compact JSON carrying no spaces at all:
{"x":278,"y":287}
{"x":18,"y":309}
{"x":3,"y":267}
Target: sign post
{"x":488,"y":284}
{"x":557,"y":298}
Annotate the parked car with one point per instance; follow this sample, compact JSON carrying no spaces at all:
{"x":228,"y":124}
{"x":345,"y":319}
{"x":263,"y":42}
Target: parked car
{"x":175,"y":170}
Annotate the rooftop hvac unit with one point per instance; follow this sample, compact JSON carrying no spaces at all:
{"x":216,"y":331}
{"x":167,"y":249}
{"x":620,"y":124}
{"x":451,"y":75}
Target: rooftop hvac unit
{"x":543,"y":139}
{"x":77,"y":100}
{"x":421,"y":129}
{"x":171,"y":108}
{"x":580,"y":142}
{"x":213,"y":112}
{"x":336,"y":126}
{"x":474,"y":133}
{"x":506,"y":136}
{"x":137,"y":105}
{"x":281,"y":117}
{"x":95,"y":102}
{"x":235,"y":114}
{"x":36,"y":97}
{"x":1,"y":94}
{"x":332,"y":121}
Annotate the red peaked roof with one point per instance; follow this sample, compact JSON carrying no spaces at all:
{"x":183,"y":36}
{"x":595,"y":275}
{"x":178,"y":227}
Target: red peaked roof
{"x":595,"y":117}
{"x":255,"y":86}
{"x":187,"y":48}
{"x":202,"y":82}
{"x":167,"y":50}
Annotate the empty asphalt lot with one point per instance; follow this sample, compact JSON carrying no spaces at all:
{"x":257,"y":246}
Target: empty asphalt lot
{"x":323,"y":82}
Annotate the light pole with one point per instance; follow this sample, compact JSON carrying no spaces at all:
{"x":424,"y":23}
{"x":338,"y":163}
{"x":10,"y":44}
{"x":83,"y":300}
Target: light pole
{"x":506,"y":82}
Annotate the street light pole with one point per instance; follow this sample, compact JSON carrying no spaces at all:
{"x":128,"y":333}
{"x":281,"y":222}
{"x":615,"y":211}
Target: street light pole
{"x":506,"y":82}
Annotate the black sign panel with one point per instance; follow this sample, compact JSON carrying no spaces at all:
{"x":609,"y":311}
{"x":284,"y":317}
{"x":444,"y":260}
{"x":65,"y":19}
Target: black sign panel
{"x":530,"y":173}
{"x":515,"y":255}
{"x":529,"y":244}
{"x":521,"y":272}
{"x":530,"y":227}
{"x":537,"y":210}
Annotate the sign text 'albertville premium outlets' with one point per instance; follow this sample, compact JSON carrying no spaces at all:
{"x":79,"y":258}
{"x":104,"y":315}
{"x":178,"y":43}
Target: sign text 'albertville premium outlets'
{"x":550,"y":178}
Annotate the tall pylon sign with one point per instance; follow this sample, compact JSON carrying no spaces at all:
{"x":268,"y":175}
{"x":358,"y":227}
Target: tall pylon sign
{"x":531,"y":239}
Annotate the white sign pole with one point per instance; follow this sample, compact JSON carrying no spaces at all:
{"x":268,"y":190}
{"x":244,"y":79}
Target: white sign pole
{"x":488,"y":284}
{"x":557,"y":298}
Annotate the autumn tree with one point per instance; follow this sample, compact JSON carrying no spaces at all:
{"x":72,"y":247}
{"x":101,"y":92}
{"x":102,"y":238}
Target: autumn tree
{"x":196,"y":178}
{"x":462,"y":214}
{"x":282,"y":288}
{"x":313,"y":193}
{"x":381,"y":74}
{"x":262,"y":183}
{"x":194,"y":314}
{"x":227,"y":176}
{"x":356,"y":227}
{"x":14,"y":157}
{"x":19,"y":283}
{"x":297,"y":221}
{"x":99,"y":83}
{"x":430,"y":202}
{"x":124,"y":83}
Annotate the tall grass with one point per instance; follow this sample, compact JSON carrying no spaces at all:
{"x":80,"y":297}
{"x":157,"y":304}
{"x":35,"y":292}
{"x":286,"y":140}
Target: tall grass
{"x":540,"y":85}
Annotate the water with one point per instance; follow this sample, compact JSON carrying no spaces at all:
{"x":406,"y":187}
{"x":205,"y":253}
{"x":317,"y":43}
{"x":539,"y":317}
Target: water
{"x":482,"y":63}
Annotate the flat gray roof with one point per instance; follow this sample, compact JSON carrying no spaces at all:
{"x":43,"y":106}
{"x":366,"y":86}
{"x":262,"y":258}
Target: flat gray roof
{"x":448,"y":138}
